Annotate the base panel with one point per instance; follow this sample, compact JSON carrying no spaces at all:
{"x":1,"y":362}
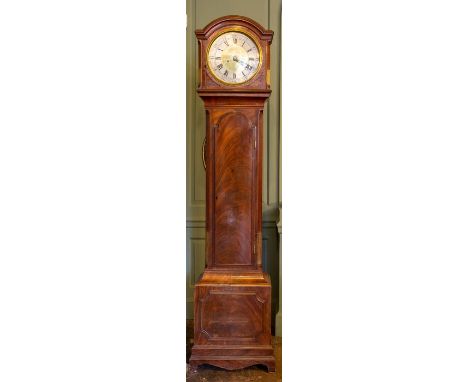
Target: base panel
{"x":232,"y":323}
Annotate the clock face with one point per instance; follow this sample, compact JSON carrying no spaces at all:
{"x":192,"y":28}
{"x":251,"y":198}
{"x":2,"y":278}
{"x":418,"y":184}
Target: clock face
{"x":234,"y":58}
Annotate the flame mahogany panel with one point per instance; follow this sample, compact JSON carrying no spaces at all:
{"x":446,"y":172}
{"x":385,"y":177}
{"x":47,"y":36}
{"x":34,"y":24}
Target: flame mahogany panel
{"x":233,"y":184}
{"x":242,"y":316}
{"x":234,"y":179}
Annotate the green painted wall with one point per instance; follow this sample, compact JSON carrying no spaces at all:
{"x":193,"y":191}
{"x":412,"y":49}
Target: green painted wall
{"x":199,"y":14}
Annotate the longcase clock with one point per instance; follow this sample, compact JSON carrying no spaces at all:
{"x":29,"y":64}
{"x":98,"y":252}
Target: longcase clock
{"x":233,"y":295}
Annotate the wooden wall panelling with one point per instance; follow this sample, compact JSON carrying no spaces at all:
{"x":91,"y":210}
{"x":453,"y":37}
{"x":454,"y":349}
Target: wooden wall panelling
{"x":195,"y":262}
{"x":271,"y":155}
{"x":195,"y":191}
{"x":270,"y":261}
{"x":208,"y":10}
{"x":279,"y":315}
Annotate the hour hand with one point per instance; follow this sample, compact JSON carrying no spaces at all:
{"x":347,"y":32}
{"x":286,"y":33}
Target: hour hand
{"x":239,"y":61}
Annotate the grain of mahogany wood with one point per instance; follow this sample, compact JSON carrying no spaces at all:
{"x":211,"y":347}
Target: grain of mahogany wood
{"x":232,"y":302}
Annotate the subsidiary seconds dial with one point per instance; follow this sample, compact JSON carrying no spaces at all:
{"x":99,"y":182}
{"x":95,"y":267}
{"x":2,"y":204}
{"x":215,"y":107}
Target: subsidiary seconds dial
{"x":234,"y":58}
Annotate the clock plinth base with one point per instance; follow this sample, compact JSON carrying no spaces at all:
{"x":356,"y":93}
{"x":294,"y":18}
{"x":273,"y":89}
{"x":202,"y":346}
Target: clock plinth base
{"x":233,"y":320}
{"x":232,"y":362}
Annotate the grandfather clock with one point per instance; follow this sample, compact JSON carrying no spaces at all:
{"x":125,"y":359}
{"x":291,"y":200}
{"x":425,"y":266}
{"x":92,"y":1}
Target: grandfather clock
{"x":233,"y":295}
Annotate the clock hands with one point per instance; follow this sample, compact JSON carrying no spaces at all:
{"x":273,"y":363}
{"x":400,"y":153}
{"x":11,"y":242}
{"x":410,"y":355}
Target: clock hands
{"x":239,"y":61}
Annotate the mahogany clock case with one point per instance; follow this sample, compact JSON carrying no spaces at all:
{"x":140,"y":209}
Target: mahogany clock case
{"x":232,"y":302}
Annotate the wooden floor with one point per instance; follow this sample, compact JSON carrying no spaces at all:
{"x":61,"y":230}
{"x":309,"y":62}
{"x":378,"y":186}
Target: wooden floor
{"x":207,"y":373}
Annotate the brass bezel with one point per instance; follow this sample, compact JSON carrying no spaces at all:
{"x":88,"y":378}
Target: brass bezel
{"x":241,"y":30}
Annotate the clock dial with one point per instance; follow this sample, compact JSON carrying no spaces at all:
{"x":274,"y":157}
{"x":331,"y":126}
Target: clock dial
{"x":234,"y":58}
